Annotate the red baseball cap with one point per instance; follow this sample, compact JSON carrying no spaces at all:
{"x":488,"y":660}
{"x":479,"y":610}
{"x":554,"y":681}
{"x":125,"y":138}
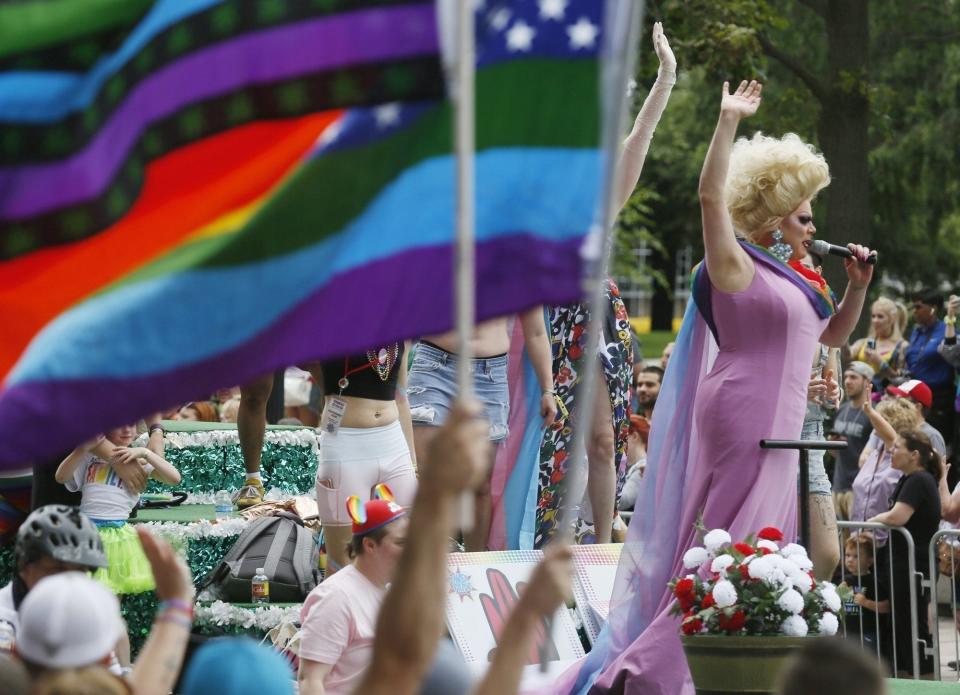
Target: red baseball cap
{"x":378,"y":512}
{"x":914,"y":390}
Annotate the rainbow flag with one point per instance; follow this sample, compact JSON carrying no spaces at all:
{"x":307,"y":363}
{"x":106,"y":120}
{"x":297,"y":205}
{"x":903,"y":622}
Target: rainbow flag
{"x":222,"y":264}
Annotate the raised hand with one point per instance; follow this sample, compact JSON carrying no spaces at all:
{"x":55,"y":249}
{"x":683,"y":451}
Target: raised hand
{"x":744,"y":102}
{"x":664,"y":53}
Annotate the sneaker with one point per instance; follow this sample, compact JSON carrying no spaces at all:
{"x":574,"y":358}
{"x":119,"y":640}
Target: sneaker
{"x":250,"y":494}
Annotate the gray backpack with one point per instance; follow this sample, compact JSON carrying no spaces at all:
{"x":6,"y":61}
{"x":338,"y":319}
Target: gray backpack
{"x":283,"y":547}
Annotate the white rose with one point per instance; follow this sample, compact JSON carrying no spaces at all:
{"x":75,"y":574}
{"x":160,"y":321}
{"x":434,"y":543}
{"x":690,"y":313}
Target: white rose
{"x":695,"y":557}
{"x":831,"y":598}
{"x":721,"y":563}
{"x":829,"y":624}
{"x":760,"y":568}
{"x":801,"y":561}
{"x":791,"y":601}
{"x":716,"y":538}
{"x":769,"y":545}
{"x":802,"y":582}
{"x":794,"y":626}
{"x":724,"y":593}
{"x":793,"y":549}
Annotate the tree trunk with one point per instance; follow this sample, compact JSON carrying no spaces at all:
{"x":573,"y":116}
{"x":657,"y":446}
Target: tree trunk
{"x":843,"y":129}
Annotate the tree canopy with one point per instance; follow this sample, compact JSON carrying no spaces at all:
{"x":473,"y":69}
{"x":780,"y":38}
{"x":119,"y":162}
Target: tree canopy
{"x":875,"y":86}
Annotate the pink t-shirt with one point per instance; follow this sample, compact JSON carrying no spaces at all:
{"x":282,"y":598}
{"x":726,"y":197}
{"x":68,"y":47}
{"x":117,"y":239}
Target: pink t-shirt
{"x":338,"y":621}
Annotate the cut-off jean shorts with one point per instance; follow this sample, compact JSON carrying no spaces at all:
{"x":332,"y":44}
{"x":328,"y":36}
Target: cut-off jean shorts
{"x":819,"y":482}
{"x":432,"y":388}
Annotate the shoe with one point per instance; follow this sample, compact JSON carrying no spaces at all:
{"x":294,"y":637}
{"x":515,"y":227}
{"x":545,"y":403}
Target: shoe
{"x":250,"y":494}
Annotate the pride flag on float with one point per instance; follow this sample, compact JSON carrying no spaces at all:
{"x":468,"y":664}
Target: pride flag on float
{"x":222,"y":264}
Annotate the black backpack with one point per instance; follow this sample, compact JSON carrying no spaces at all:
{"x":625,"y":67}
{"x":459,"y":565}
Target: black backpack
{"x":283,"y":547}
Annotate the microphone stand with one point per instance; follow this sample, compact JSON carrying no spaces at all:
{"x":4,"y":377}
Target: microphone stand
{"x":803,"y":446}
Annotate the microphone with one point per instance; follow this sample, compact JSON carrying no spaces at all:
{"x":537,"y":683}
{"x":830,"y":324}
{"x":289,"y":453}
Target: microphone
{"x":822,"y":248}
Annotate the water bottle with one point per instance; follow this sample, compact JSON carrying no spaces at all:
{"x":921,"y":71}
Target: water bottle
{"x":260,"y":587}
{"x":223,"y":504}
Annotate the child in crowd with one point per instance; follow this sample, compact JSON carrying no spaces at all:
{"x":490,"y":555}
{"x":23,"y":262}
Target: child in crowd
{"x":864,"y":612}
{"x":107,"y":500}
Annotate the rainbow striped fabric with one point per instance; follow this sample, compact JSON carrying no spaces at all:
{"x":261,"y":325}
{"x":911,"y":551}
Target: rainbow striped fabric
{"x":182,"y":207}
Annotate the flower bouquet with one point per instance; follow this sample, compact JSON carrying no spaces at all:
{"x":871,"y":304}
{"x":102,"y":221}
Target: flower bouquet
{"x":741,"y":605}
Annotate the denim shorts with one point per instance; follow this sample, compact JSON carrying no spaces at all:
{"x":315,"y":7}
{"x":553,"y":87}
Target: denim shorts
{"x":819,"y":482}
{"x":432,"y":388}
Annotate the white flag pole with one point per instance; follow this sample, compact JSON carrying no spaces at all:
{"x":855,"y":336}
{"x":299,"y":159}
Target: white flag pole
{"x":464,"y":262}
{"x":619,"y":60}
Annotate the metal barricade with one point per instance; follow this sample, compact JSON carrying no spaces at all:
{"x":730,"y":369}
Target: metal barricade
{"x":951,"y":537}
{"x":880,"y":634}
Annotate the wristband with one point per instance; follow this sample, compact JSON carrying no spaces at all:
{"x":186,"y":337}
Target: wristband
{"x":177,"y":605}
{"x":548,"y":391}
{"x":154,"y":427}
{"x":950,"y":320}
{"x":176,"y":618}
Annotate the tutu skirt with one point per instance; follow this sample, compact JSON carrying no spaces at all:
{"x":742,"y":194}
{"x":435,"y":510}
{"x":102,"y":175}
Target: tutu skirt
{"x":129,"y":570}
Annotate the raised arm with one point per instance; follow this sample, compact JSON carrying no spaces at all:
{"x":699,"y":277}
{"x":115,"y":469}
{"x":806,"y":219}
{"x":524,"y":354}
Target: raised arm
{"x":729,"y":266}
{"x":411,"y":618}
{"x":881,"y":427}
{"x":638,"y":142}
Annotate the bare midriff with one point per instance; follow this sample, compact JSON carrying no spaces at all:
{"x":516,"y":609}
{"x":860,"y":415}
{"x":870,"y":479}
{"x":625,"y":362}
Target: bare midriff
{"x":364,"y":413}
{"x":489,"y":339}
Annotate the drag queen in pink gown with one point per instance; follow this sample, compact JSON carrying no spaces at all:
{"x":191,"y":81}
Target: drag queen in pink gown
{"x":739,"y":374}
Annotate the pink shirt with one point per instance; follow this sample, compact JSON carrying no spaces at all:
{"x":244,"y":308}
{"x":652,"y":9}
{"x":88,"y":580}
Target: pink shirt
{"x":338,"y":620}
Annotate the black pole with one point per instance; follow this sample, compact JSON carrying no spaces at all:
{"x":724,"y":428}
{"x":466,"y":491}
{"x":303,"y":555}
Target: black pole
{"x":803,"y":446}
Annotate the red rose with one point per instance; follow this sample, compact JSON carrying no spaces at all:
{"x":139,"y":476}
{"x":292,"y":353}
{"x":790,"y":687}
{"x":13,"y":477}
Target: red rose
{"x":745,"y":571}
{"x":691,"y":626}
{"x":684,"y":588}
{"x":743,"y":549}
{"x":708,"y":601}
{"x":764,"y":551}
{"x":732,"y":623}
{"x":771,"y":533}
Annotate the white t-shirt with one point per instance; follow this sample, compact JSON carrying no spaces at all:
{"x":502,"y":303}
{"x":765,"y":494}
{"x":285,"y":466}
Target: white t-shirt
{"x":104,"y":496}
{"x":8,"y":612}
{"x":339,"y":619}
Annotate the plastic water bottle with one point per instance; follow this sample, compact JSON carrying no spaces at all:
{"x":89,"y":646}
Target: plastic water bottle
{"x":223,"y":504}
{"x":260,"y":587}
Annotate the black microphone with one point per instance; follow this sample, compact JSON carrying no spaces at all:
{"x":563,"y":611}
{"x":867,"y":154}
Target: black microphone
{"x":822,"y":248}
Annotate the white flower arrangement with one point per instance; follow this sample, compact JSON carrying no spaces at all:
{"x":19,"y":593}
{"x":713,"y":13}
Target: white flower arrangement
{"x":721,"y":563}
{"x":695,"y":557}
{"x":754,"y":588}
{"x":263,"y":618}
{"x":221,"y":528}
{"x":716,"y":539}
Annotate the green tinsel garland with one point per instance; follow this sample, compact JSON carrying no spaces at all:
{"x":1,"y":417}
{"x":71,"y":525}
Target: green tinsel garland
{"x":289,"y":467}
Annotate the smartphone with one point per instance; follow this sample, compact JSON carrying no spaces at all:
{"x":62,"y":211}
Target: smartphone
{"x":872,"y":343}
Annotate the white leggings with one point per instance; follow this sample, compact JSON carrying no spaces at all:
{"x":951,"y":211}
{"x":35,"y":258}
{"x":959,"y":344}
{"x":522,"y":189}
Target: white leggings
{"x":354,"y":461}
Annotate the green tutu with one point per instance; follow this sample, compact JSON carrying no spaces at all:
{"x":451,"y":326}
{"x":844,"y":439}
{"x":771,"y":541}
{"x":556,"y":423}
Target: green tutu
{"x":129,"y":570}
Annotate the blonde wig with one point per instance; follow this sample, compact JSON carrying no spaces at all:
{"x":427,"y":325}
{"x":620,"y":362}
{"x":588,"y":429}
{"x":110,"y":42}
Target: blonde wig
{"x":768,"y":178}
{"x":900,"y":413}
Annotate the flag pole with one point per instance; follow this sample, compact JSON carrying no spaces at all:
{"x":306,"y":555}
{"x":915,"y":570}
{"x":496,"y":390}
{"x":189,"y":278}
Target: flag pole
{"x":621,"y":59}
{"x":464,"y":262}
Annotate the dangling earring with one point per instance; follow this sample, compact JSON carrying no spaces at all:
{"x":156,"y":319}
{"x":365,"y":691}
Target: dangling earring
{"x":780,"y":250}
